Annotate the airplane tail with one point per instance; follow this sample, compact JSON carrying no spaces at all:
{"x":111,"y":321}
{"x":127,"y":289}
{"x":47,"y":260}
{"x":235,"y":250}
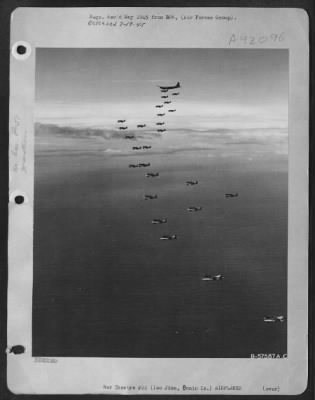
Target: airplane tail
{"x":178,"y":85}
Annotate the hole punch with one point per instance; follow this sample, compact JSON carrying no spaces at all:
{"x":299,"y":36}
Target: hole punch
{"x":18,"y":349}
{"x":19,"y":199}
{"x":21,"y":49}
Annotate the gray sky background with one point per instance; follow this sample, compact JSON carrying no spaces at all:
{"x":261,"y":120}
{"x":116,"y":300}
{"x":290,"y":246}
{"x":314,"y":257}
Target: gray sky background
{"x":221,"y":88}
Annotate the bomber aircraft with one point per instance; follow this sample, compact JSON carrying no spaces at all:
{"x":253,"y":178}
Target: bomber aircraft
{"x":170,"y":87}
{"x":159,"y":221}
{"x":168,"y":237}
{"x":193,"y":208}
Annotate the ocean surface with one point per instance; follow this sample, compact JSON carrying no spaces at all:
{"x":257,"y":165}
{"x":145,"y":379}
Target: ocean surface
{"x":106,"y":286}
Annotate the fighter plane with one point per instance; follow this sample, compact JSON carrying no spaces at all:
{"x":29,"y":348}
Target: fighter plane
{"x":175,"y":94}
{"x":150,"y":196}
{"x":159,"y":106}
{"x":123,"y":128}
{"x":144,"y":164}
{"x":170,"y":87}
{"x":136,"y":148}
{"x":191,"y":183}
{"x":121,"y":120}
{"x":193,"y":208}
{"x":160,"y":123}
{"x":146,"y":147}
{"x":152,"y":174}
{"x":160,"y":115}
{"x":171,"y":110}
{"x":207,"y":277}
{"x":168,"y":237}
{"x":164,"y":97}
{"x":129,"y":137}
{"x":167,"y":102}
{"x":141,"y":126}
{"x":161,"y":130}
{"x":229,"y":195}
{"x":159,"y":221}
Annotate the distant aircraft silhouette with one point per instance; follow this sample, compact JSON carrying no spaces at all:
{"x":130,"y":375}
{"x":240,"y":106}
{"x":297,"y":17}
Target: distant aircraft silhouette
{"x":193,"y":208}
{"x":136,"y":148}
{"x":161,"y":130}
{"x":168,"y":237}
{"x":121,"y":120}
{"x":175,"y":94}
{"x":141,"y":126}
{"x":160,"y":123}
{"x":160,"y":115}
{"x":164,"y":97}
{"x":152,"y":174}
{"x":144,"y":164}
{"x":207,"y":277}
{"x":146,"y":147}
{"x":171,"y":110}
{"x":159,"y":221}
{"x":279,"y":318}
{"x":164,"y":90}
{"x":170,"y":87}
{"x":159,"y":106}
{"x":191,"y":183}
{"x":133,"y":165}
{"x":129,"y":137}
{"x":150,"y":196}
{"x":229,"y":195}
{"x":167,"y":102}
{"x":123,"y":128}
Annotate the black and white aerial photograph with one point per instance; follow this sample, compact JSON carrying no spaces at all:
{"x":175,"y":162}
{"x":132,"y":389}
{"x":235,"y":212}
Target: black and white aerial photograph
{"x":161,"y":202}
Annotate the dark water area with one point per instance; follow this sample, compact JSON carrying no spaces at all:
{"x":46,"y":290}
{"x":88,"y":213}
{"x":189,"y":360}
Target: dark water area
{"x":106,"y":286}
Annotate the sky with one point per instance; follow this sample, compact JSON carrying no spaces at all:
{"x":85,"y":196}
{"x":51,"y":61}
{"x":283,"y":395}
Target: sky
{"x":221,"y":88}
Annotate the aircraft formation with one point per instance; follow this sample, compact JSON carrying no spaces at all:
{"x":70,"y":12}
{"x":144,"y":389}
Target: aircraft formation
{"x":167,"y":91}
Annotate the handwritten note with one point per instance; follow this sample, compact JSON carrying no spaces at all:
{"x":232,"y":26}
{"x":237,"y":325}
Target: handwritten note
{"x":18,"y":146}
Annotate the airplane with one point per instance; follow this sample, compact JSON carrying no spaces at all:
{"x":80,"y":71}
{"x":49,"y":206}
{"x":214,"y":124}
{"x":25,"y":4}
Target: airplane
{"x":193,"y":208}
{"x":129,"y":137}
{"x":175,"y":94}
{"x":170,"y":87}
{"x":159,"y":221}
{"x":144,"y":164}
{"x":159,"y":106}
{"x":191,"y":183}
{"x":171,"y":110}
{"x":123,"y":128}
{"x":152,"y":174}
{"x":146,"y":147}
{"x":133,"y":165}
{"x":207,"y":277}
{"x":164,"y":90}
{"x":167,"y":102}
{"x":121,"y":120}
{"x":136,"y":148}
{"x":168,"y":237}
{"x":161,"y":130}
{"x":150,"y":196}
{"x":229,"y":195}
{"x":160,"y":123}
{"x":141,"y":126}
{"x":164,"y":97}
{"x":160,"y":115}
{"x":279,"y":318}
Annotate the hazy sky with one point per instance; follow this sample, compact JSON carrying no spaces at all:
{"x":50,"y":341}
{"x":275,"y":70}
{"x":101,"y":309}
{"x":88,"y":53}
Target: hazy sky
{"x":221,"y":88}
